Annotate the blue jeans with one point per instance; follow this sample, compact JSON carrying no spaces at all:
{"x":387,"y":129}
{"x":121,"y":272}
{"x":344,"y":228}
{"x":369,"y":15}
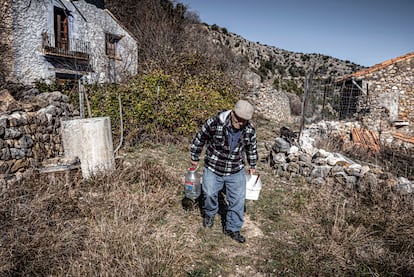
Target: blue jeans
{"x":235,"y":186}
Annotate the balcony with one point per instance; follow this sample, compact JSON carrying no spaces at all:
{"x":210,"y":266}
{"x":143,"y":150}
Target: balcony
{"x":65,"y":48}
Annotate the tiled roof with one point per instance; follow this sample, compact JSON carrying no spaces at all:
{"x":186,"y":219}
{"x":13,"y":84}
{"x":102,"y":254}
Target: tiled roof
{"x":379,"y":66}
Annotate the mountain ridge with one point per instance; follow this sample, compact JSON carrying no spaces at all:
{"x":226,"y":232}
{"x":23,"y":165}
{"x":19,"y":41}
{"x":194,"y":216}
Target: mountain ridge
{"x":271,"y":62}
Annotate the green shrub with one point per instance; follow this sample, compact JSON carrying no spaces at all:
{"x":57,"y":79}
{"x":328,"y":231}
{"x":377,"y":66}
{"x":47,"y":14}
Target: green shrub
{"x":157,"y":105}
{"x":281,"y":69}
{"x":296,"y":71}
{"x":292,"y":86}
{"x":276,"y":83}
{"x":215,"y":27}
{"x":269,"y":65}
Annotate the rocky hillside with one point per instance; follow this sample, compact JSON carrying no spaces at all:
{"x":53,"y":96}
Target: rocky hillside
{"x":272,"y":63}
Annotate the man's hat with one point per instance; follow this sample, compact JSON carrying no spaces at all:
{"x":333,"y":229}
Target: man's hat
{"x":244,"y":109}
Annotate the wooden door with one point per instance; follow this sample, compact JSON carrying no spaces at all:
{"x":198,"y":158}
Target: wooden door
{"x":61,"y":29}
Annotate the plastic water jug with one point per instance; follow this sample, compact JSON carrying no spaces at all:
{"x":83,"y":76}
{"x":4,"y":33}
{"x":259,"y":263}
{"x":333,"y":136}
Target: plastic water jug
{"x":192,"y":183}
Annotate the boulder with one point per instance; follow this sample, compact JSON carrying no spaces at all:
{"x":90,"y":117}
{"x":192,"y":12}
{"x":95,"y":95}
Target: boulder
{"x":7,"y":102}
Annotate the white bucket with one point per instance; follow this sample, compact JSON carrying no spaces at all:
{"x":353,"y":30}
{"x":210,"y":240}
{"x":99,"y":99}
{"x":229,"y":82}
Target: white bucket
{"x":253,"y":187}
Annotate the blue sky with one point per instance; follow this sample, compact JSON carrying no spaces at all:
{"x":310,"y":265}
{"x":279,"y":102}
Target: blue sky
{"x":365,"y":32}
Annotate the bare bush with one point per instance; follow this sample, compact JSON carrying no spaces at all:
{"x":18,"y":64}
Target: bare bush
{"x":157,"y":25}
{"x":219,"y":57}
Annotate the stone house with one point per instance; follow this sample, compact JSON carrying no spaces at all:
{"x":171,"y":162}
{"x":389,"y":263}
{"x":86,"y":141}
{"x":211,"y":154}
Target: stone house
{"x":382,"y":95}
{"x":62,"y":40}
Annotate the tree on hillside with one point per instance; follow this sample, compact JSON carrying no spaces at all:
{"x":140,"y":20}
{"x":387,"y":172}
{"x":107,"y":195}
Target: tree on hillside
{"x":158,"y":26}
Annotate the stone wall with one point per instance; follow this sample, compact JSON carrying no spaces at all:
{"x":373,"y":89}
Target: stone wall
{"x":390,"y":94}
{"x":6,"y":43}
{"x":30,"y":131}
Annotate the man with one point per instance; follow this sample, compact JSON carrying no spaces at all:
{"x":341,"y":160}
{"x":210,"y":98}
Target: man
{"x":229,"y":138}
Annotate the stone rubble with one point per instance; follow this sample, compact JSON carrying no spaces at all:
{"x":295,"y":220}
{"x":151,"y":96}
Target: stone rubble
{"x":318,"y":166}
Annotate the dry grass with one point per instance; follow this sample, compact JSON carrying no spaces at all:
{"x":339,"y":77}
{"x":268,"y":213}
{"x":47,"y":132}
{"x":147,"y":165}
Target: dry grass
{"x":365,"y":233}
{"x":130,"y":222}
{"x":113,"y":224}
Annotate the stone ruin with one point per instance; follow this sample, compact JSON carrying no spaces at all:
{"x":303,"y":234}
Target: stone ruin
{"x":299,"y":156}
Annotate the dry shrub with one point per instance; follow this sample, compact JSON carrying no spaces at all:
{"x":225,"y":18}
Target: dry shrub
{"x":41,"y":227}
{"x":329,"y":143}
{"x":114,"y":224}
{"x":361,"y":233}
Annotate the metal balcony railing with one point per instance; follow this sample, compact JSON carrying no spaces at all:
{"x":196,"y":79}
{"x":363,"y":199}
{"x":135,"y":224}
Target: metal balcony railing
{"x":68,"y":48}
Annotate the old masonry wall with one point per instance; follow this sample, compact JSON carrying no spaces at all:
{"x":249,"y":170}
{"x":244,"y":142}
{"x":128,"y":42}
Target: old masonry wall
{"x":30,"y":131}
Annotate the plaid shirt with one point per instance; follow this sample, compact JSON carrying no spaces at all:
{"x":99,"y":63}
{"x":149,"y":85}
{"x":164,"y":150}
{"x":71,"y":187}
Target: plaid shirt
{"x":218,"y":157}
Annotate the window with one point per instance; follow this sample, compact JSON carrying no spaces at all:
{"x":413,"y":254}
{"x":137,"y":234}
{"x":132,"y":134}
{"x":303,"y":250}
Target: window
{"x":112,"y":45}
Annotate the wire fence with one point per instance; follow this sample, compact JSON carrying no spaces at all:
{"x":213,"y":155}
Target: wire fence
{"x":330,"y":99}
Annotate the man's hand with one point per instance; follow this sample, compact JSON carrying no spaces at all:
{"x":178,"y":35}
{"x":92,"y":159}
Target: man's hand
{"x":252,"y":171}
